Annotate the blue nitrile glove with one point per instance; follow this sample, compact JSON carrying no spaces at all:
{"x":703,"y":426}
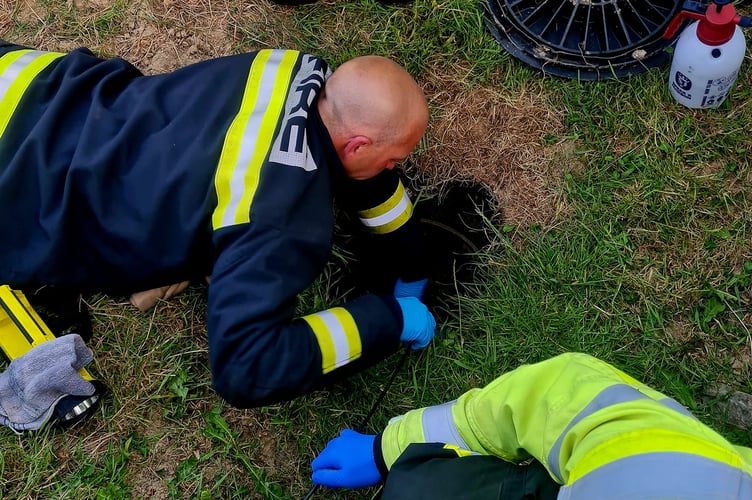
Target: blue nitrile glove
{"x":419,"y":326}
{"x":410,"y":288}
{"x":347,"y":462}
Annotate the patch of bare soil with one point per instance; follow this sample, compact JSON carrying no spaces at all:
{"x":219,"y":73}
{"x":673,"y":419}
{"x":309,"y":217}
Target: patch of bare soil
{"x":169,"y":448}
{"x":170,"y":34}
{"x":274,"y":451}
{"x":160,"y":36}
{"x":496,"y":138}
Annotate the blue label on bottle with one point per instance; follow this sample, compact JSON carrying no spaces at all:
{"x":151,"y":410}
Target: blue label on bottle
{"x":682,"y":81}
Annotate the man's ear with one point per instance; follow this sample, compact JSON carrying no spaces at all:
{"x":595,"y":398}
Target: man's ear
{"x":353,"y":144}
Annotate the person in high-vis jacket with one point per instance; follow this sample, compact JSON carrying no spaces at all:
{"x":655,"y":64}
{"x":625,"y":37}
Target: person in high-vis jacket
{"x":596,"y":431}
{"x":116,"y":182}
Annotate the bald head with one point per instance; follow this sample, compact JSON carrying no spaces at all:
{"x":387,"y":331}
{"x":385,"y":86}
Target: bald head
{"x":375,"y":113}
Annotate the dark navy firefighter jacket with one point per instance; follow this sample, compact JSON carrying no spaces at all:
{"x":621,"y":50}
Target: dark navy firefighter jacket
{"x":113,"y":181}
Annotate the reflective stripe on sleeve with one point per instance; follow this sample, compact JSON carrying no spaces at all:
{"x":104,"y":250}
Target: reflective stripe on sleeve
{"x":676,"y":406}
{"x":250,"y":136}
{"x":661,"y":475}
{"x":18,"y":69}
{"x":390,"y":215}
{"x":438,"y":426}
{"x":615,"y":394}
{"x":337,"y":335}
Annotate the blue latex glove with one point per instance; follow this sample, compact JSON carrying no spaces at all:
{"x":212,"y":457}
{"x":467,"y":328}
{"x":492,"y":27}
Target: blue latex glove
{"x":419,"y":326}
{"x":347,"y":462}
{"x":410,"y":288}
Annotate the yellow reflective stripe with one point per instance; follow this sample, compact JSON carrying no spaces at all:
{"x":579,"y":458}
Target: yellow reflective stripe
{"x":337,"y":335}
{"x":651,"y":441}
{"x":459,"y":451}
{"x":387,"y":205}
{"x":17,"y":70}
{"x":250,"y":136}
{"x":390,"y":215}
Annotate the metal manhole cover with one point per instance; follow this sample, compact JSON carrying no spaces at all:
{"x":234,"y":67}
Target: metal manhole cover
{"x":583,"y":39}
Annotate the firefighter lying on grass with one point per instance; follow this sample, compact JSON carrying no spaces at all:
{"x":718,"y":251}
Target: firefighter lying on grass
{"x":595,"y":434}
{"x":116,"y":182}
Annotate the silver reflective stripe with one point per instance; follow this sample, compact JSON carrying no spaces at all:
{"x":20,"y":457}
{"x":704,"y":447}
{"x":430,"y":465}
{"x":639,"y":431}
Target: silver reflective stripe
{"x":18,"y":70}
{"x":338,"y":334}
{"x":438,"y":426}
{"x":615,"y":394}
{"x":250,"y":135}
{"x":11,"y":73}
{"x":661,"y":475}
{"x":674,"y":405}
{"x":391,"y":215}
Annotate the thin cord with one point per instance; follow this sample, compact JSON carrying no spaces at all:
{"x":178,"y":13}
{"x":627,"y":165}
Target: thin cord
{"x":374,"y":407}
{"x":311,"y":492}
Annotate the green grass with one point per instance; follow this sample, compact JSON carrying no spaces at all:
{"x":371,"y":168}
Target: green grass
{"x":648,"y":266}
{"x":419,"y":36}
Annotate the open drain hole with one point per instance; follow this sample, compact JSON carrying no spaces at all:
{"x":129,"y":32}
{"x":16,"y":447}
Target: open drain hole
{"x":456,"y":227}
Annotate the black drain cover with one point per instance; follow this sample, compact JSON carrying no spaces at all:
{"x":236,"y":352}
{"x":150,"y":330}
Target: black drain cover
{"x":583,"y":39}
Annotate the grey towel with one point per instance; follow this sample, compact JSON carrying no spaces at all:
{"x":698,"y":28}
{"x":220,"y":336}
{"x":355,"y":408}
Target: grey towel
{"x":34,"y":383}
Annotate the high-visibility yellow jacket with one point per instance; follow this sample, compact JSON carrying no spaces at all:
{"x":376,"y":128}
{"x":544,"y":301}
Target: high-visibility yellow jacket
{"x":599,"y":432}
{"x":112,"y":181}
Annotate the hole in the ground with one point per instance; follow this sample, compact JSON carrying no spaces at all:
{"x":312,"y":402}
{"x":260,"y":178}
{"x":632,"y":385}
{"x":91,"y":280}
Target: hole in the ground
{"x":456,"y":222}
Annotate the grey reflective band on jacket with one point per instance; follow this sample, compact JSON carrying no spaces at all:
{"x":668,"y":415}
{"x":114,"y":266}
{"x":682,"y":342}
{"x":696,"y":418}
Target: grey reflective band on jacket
{"x":17,"y":75}
{"x":615,"y":394}
{"x":11,"y":73}
{"x":438,"y":426}
{"x":390,"y":216}
{"x":250,"y":136}
{"x":661,"y":475}
{"x":676,"y":406}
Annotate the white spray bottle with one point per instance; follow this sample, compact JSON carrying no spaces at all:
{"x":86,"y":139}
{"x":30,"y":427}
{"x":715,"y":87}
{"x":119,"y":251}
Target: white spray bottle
{"x":708,"y":54}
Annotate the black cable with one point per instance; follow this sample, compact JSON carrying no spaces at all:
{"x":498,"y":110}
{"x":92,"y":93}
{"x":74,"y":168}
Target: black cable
{"x":361,"y":427}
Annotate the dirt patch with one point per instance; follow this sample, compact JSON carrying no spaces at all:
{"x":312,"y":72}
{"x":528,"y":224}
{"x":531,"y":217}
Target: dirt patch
{"x":167,"y":35}
{"x":155,"y":36}
{"x":274,"y":451}
{"x":681,"y":333}
{"x":149,"y":477}
{"x":495,"y":137}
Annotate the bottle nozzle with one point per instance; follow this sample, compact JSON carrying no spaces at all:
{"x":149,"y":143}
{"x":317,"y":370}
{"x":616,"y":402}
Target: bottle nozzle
{"x":716,"y":24}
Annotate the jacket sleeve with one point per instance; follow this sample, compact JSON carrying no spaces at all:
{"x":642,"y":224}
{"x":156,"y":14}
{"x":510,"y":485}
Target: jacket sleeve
{"x":259,"y":353}
{"x":385,"y":210}
{"x":566,"y":412}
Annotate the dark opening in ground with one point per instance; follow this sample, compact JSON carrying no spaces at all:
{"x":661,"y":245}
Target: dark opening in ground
{"x":457,"y":223}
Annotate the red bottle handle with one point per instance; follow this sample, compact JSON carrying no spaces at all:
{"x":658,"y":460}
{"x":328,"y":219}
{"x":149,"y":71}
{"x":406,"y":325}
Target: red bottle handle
{"x":717,"y":22}
{"x":678,"y":20}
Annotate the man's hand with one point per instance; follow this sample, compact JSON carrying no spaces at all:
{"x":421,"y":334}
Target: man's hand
{"x":410,"y":288}
{"x":347,"y":462}
{"x":418,"y":324}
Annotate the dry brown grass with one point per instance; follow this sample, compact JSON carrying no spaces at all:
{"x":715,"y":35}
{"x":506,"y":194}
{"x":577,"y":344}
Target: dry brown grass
{"x":486,"y":135}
